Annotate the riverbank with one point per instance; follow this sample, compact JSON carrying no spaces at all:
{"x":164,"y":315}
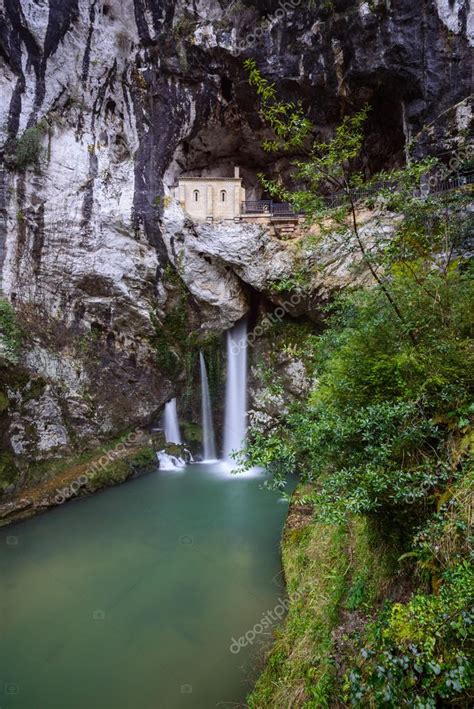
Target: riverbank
{"x":63,"y":480}
{"x":338,"y":577}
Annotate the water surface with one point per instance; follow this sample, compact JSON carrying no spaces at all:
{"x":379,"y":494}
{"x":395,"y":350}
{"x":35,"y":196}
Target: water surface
{"x":129,"y":599}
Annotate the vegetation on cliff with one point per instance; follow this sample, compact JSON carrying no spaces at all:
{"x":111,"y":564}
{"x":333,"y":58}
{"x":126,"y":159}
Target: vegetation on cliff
{"x":382,"y":444}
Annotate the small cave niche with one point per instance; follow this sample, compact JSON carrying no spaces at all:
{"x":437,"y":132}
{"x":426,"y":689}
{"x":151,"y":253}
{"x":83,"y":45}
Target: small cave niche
{"x":106,"y":9}
{"x":79,"y":312}
{"x":103,"y":137}
{"x":255,"y":300}
{"x":384,"y":146}
{"x":110,"y":341}
{"x":110,"y":107}
{"x":97,"y":329}
{"x":227,"y":88}
{"x":121,"y":150}
{"x":206,"y":258}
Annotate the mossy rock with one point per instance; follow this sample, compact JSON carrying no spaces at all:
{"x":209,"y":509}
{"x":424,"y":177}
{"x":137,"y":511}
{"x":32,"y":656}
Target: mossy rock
{"x":4,"y":402}
{"x":8,"y":470}
{"x":34,"y":390}
{"x":144,"y":458}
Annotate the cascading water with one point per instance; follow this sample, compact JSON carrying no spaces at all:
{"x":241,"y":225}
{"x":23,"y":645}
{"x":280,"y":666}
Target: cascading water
{"x":235,"y":420}
{"x":170,"y":423}
{"x":172,"y":435}
{"x":209,"y":442}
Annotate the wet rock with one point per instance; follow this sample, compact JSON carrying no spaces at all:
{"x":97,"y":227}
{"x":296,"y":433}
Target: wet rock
{"x":125,"y":97}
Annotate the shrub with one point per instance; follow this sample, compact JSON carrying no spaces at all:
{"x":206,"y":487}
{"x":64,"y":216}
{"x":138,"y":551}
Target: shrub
{"x":27,"y":150}
{"x":419,"y":654}
{"x":185,"y":27}
{"x":9,"y":333}
{"x":378,"y":428}
{"x":144,"y":458}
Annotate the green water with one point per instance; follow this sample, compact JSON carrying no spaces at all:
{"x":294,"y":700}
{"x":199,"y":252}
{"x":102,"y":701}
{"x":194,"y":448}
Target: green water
{"x":130,"y":598}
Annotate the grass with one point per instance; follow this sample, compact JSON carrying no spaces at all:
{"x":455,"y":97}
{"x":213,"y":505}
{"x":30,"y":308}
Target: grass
{"x":299,"y":669}
{"x":337,"y":577}
{"x":373,"y":566}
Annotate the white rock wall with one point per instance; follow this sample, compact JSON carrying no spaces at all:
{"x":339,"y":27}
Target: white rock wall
{"x":449,"y":12}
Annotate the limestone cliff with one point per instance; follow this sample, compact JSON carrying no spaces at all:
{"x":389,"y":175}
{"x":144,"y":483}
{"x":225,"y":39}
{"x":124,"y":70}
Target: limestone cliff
{"x":104,"y":103}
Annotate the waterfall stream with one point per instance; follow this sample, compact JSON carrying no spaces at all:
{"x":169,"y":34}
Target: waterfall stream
{"x":208,"y":438}
{"x":170,"y":423}
{"x":235,"y":420}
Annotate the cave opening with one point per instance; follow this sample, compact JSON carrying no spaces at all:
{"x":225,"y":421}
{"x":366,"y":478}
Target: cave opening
{"x":385,"y":129}
{"x":235,"y":137}
{"x":217,"y":149}
{"x":227,"y":88}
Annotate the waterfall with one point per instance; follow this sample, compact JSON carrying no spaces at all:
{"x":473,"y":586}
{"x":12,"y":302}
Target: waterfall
{"x":209,"y":443}
{"x":170,"y":462}
{"x":170,"y":423}
{"x":235,"y":421}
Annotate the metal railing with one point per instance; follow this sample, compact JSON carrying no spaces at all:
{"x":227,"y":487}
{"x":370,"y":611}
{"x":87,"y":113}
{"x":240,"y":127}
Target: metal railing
{"x":269,"y":207}
{"x":260,"y":206}
{"x":285,"y":210}
{"x":442,"y":186}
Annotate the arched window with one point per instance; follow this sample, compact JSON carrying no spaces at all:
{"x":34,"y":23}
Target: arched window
{"x":196,"y":195}
{"x":223,"y":196}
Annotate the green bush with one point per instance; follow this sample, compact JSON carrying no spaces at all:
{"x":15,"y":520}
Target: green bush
{"x":143,"y":458}
{"x":185,"y":27}
{"x":420,"y":650}
{"x":9,"y":333}
{"x":378,"y":428}
{"x":27,"y":149}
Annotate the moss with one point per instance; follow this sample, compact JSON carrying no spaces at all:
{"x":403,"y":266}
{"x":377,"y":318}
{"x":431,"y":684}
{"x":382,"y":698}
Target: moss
{"x":8,"y":470}
{"x":185,"y":27}
{"x":192,"y":433}
{"x":171,"y":331}
{"x":10,"y":338}
{"x":144,"y":458}
{"x":38,"y":472}
{"x":373,"y":566}
{"x":34,"y":389}
{"x":118,"y":471}
{"x":299,"y":669}
{"x":336,"y":575}
{"x":4,"y":402}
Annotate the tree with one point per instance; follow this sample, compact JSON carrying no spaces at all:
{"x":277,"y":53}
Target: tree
{"x":332,"y":167}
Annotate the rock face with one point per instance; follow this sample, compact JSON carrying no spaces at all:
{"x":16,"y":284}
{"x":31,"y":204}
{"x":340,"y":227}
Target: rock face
{"x":104,"y":103}
{"x":219,"y":263}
